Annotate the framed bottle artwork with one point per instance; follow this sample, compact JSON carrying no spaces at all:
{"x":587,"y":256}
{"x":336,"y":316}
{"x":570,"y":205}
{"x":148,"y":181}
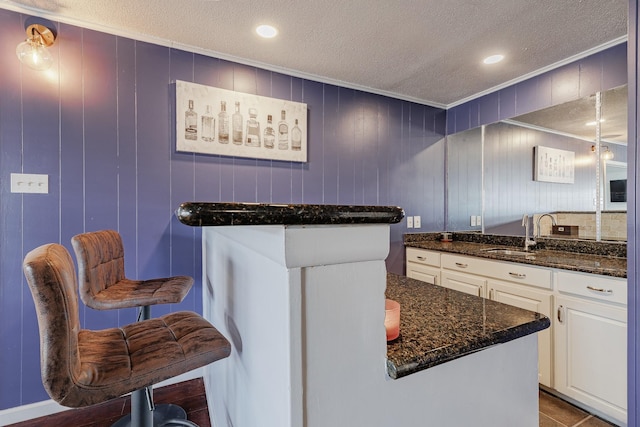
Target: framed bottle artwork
{"x":554,"y":165}
{"x":222,"y":122}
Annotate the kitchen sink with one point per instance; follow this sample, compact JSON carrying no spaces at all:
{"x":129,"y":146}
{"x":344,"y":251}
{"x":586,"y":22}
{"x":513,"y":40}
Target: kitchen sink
{"x":503,"y":251}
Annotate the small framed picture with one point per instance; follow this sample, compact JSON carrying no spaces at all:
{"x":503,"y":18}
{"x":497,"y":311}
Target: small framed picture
{"x":554,"y":165}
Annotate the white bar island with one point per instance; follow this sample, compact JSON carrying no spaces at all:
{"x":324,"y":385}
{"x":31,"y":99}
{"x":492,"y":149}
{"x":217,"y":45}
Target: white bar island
{"x":299,"y":290}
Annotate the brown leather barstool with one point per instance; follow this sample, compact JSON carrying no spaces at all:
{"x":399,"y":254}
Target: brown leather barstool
{"x":82,"y":367}
{"x":104,"y":286}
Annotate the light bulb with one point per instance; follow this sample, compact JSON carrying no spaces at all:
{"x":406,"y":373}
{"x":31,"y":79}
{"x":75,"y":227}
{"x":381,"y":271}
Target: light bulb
{"x":493,"y":59}
{"x":607,"y":155}
{"x":34,"y":55}
{"x":33,"y":52}
{"x":266,"y":31}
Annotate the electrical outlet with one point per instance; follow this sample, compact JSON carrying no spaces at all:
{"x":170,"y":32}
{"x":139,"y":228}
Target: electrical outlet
{"x":409,"y":222}
{"x":416,"y":221}
{"x":473,"y":220}
{"x":479,"y":220}
{"x":29,"y":183}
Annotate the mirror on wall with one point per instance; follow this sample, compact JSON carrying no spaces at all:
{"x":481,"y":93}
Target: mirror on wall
{"x":491,"y":170}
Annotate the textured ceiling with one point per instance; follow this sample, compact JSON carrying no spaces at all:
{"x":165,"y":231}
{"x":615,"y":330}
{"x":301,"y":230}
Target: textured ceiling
{"x":429,"y":51}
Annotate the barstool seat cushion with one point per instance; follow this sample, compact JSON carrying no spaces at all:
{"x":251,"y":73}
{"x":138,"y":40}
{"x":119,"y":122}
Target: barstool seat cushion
{"x":120,"y":360}
{"x":137,"y":293}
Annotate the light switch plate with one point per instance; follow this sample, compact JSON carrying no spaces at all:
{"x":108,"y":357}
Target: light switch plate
{"x":29,"y":183}
{"x":409,"y":222}
{"x":473,"y":220}
{"x":416,"y":221}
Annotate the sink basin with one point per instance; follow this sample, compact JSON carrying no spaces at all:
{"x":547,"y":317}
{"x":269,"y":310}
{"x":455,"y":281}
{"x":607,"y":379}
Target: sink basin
{"x":503,"y":251}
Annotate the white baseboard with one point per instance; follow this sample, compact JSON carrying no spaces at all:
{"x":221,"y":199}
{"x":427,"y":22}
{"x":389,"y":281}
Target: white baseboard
{"x":49,"y":407}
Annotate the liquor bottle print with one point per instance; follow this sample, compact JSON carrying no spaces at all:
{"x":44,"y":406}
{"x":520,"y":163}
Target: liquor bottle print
{"x":283,"y":132}
{"x":253,"y":129}
{"x":208,"y":126}
{"x":236,"y":124}
{"x":296,"y":137}
{"x":191,"y":123}
{"x":269,"y":133}
{"x":223,"y":124}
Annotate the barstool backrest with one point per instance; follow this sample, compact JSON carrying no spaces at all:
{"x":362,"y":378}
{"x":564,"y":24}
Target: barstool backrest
{"x":100,"y":256}
{"x":51,"y":276}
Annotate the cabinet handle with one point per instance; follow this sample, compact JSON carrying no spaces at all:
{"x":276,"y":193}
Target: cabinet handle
{"x":421,"y":258}
{"x":479,"y":291}
{"x":490,"y":293}
{"x":601,"y":290}
{"x":462,"y":265}
{"x":518,"y":275}
{"x":561,"y":314}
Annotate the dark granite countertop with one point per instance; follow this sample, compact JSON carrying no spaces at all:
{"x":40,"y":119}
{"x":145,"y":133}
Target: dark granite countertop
{"x":608,"y":259}
{"x":438,"y":324}
{"x":203,"y":214}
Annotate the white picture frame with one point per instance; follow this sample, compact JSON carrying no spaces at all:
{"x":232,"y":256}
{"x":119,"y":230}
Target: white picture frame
{"x":554,"y":165}
{"x":199,"y":115}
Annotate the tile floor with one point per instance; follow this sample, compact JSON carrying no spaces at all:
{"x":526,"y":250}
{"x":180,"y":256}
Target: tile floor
{"x":555,"y":412}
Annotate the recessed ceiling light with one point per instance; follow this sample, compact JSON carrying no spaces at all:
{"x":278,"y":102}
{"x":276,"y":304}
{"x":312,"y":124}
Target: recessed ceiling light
{"x":493,"y":59}
{"x":266,"y":31}
{"x":593,"y":123}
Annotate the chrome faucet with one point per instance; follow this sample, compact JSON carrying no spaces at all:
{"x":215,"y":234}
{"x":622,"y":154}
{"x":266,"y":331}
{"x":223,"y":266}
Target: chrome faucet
{"x":553,"y":222}
{"x":527,"y":242}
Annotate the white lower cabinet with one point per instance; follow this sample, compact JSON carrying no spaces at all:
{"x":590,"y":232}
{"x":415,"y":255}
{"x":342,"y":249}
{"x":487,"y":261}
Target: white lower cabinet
{"x":467,"y":283}
{"x":583,"y":355}
{"x":534,"y":300}
{"x":590,"y":354}
{"x":424,"y":273}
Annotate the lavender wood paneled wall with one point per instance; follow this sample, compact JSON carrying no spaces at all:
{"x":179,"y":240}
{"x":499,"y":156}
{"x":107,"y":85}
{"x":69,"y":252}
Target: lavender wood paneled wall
{"x":100,"y":125}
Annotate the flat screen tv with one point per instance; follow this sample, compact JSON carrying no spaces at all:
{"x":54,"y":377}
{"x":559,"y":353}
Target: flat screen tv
{"x":618,"y":190}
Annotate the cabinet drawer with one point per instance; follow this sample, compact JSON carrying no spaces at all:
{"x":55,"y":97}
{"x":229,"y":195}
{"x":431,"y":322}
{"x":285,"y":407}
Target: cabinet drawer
{"x":517,"y":273}
{"x":594,"y":286}
{"x":422,"y":256}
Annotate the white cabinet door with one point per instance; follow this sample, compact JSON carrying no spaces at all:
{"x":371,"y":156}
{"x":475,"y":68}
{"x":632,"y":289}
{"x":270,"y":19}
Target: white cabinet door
{"x":424,"y":273}
{"x":591,"y":354}
{"x":533,"y":300}
{"x":466,"y":283}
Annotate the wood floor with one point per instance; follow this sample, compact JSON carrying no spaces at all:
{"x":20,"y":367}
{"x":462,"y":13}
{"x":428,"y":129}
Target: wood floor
{"x":190,"y":395}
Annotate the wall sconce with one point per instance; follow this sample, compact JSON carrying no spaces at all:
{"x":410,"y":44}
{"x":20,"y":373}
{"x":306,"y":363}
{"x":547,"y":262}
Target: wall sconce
{"x":606,"y":154}
{"x":33,"y":52}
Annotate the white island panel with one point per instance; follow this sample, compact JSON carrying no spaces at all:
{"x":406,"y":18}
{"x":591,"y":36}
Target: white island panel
{"x":303,"y":307}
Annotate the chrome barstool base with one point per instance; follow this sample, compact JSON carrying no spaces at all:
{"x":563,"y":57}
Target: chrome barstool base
{"x":164,"y":415}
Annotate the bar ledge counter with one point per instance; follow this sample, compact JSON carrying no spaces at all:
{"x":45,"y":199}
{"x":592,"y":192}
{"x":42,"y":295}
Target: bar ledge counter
{"x":301,"y":298}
